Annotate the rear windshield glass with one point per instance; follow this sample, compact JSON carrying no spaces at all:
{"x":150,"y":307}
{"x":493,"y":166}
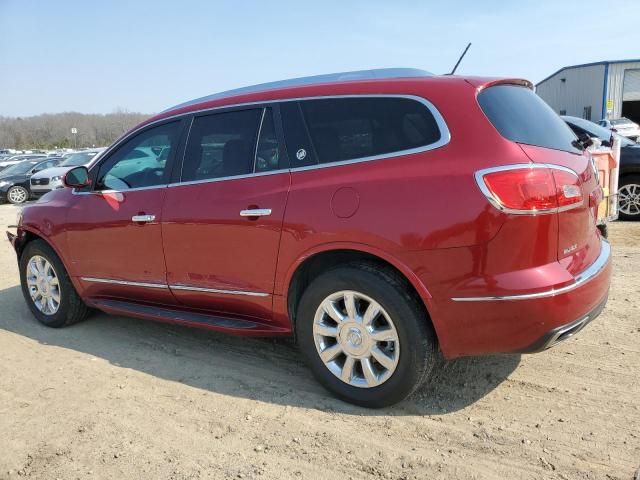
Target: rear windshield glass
{"x":521,"y":116}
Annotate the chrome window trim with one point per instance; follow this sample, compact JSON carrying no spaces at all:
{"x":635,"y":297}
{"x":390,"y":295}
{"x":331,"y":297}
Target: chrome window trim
{"x":137,"y":189}
{"x":445,"y":134}
{"x":493,"y":201}
{"x":222,"y":179}
{"x":589,"y":273}
{"x":189,"y":288}
{"x":124,"y":282}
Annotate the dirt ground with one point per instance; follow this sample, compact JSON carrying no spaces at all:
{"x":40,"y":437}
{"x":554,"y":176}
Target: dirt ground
{"x":120,"y":398}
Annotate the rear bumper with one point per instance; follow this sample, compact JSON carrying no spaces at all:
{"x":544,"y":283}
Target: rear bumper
{"x":564,"y":332}
{"x":526,"y":321}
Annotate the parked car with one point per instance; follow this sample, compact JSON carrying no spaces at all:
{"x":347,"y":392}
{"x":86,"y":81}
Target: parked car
{"x":622,"y":126}
{"x":51,"y":179}
{"x":380,"y":217}
{"x":14,"y":180}
{"x":629,"y":183}
{"x":19,"y":158}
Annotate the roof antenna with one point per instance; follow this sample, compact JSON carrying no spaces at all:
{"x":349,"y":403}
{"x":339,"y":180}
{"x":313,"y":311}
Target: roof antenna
{"x":460,"y":59}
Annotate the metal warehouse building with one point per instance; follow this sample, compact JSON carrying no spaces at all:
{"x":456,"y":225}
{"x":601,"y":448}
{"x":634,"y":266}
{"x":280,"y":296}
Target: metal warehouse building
{"x":609,"y":89}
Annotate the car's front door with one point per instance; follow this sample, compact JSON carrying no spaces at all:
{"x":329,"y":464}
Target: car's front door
{"x":222,"y":221}
{"x":113,"y":228}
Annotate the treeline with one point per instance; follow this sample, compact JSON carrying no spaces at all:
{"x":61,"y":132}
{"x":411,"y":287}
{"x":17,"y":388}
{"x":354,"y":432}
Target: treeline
{"x":51,"y":130}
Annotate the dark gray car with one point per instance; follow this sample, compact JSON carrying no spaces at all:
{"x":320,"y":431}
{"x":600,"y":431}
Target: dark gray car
{"x":629,"y":186}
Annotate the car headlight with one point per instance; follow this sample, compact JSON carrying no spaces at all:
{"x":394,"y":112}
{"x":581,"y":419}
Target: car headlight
{"x":57,"y":178}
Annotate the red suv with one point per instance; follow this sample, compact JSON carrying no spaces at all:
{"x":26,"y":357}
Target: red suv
{"x":381,"y":217}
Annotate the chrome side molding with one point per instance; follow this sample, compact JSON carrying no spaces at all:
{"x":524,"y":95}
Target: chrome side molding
{"x":216,"y":290}
{"x":123,"y":282}
{"x":188,"y":288}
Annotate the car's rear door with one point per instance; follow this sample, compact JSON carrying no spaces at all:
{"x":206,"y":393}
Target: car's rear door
{"x":113,"y":228}
{"x":223,"y":216}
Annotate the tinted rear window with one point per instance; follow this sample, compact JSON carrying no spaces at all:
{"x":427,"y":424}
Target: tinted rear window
{"x":521,"y":116}
{"x":352,"y":128}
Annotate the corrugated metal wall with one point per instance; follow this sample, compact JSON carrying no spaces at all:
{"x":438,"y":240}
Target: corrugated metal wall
{"x":583,"y":87}
{"x":615,"y":85}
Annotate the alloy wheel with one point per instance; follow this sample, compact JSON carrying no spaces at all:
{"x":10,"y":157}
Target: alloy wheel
{"x":356,"y":339}
{"x":43,"y":285}
{"x":17,"y":195}
{"x":629,"y":199}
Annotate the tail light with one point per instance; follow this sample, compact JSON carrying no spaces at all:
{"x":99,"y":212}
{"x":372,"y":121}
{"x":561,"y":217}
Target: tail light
{"x":531,"y":188}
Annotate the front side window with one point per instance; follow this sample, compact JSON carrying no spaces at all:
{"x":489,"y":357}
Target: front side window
{"x":141,"y":161}
{"x":351,"y":128}
{"x":221,"y":145}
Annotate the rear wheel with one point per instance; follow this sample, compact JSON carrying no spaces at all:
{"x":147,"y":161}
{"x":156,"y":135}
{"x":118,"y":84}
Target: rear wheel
{"x":17,"y":195}
{"x":629,"y":197}
{"x":366,"y":339}
{"x":47,"y":288}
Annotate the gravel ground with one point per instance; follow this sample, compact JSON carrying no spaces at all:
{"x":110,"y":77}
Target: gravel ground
{"x":116,"y":397}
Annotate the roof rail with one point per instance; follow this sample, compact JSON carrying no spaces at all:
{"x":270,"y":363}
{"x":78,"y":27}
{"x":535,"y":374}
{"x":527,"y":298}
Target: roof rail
{"x":378,"y":73}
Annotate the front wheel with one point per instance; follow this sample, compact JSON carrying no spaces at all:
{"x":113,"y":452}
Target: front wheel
{"x":47,"y":289}
{"x":366,"y":338}
{"x":17,"y":195}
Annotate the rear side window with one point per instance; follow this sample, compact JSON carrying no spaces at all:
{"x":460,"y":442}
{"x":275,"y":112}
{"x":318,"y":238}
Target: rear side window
{"x":352,"y":128}
{"x":221,"y":145}
{"x":522,"y":116}
{"x":299,"y":147}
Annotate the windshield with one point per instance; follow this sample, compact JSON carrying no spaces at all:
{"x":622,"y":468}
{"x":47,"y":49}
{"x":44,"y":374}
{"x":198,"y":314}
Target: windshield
{"x":18,"y":168}
{"x":597,"y":131}
{"x":621,"y":121}
{"x":78,"y":159}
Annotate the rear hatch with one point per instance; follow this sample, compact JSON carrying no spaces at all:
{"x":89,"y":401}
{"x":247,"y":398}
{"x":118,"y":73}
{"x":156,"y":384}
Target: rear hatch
{"x":521,"y":116}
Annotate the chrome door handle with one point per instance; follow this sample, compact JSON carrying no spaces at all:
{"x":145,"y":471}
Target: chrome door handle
{"x":255,"y":212}
{"x":143,"y":218}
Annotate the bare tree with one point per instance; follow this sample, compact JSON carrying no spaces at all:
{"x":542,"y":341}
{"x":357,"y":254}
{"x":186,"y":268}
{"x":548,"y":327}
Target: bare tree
{"x":54,"y":130}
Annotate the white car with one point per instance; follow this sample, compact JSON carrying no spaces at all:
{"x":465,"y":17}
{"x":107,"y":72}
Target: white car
{"x":51,"y":178}
{"x":623,"y":126}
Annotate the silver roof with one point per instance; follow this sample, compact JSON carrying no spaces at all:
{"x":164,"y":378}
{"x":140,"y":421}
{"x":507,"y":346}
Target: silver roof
{"x":374,"y":74}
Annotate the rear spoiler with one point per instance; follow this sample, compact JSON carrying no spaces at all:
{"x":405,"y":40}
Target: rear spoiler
{"x":481,"y":83}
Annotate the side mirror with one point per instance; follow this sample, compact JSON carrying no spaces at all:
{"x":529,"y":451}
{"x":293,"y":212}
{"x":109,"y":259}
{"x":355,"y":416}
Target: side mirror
{"x":77,"y":177}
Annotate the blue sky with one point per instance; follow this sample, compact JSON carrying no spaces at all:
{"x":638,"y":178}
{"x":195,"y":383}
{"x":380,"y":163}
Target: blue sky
{"x":146,"y":55}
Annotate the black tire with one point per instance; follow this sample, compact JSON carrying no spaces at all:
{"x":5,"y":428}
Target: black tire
{"x":71,"y":308}
{"x":418,"y":343}
{"x":24,"y":191}
{"x":626,"y":181}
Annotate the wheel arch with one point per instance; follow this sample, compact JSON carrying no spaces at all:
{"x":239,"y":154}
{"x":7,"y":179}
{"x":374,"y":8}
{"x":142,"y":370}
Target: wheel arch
{"x":315,"y":262}
{"x":27,"y":235}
